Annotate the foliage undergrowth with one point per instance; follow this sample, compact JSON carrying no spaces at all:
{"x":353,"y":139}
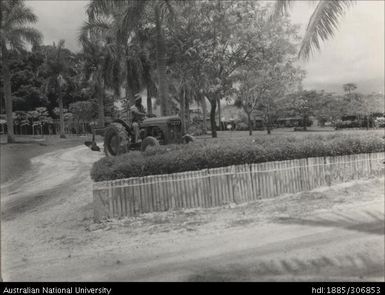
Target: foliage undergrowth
{"x":214,"y":153}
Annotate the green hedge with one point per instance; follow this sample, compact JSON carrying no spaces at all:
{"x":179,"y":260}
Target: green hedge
{"x":215,"y":153}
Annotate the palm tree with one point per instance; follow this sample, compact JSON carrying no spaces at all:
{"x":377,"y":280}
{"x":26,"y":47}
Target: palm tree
{"x":56,"y":66}
{"x":100,"y":65}
{"x":103,"y":49}
{"x":132,"y":12}
{"x":15,"y":17}
{"x":322,"y":24}
{"x":133,"y":50}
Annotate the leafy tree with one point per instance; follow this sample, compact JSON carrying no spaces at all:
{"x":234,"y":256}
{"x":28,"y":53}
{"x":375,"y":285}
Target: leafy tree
{"x":236,"y":38}
{"x":15,"y":18}
{"x":264,"y":82}
{"x":349,"y":87}
{"x":327,"y":107}
{"x":302,"y":104}
{"x":209,"y":48}
{"x":354,"y":102}
{"x":26,"y":83}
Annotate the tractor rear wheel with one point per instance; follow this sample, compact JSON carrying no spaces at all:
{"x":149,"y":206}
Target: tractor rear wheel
{"x":148,"y":141}
{"x":116,"y":140}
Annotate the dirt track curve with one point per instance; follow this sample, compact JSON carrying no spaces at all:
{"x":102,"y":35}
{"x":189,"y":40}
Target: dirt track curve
{"x":48,"y":234}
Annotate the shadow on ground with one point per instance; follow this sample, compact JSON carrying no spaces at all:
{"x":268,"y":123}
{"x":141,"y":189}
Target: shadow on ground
{"x":373,"y":224}
{"x":293,"y":269}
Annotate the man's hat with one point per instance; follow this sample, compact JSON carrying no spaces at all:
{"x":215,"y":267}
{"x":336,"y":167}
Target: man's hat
{"x":137,"y":97}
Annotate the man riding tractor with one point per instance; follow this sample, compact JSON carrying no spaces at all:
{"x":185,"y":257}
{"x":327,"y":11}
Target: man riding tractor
{"x":138,"y":113}
{"x":139,"y":131}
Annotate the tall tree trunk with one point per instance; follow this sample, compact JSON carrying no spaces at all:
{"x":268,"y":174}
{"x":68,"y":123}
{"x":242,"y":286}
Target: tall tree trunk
{"x":149,"y":102}
{"x":268,"y":119}
{"x":131,"y":87}
{"x":213,"y":103}
{"x":249,"y":123}
{"x":187,"y":110}
{"x":150,"y":86}
{"x":182,"y":103}
{"x":8,"y":99}
{"x":305,"y":123}
{"x":151,"y":92}
{"x":161,"y":64}
{"x":61,"y":115}
{"x":100,"y":91}
{"x":204,"y":111}
{"x":268,"y":127}
{"x":130,"y":96}
{"x":219,"y":115}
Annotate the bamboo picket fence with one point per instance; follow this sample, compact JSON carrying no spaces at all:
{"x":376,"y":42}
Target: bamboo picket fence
{"x":234,"y":184}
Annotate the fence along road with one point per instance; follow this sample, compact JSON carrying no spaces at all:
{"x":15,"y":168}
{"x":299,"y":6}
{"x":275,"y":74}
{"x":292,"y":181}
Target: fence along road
{"x":234,"y":184}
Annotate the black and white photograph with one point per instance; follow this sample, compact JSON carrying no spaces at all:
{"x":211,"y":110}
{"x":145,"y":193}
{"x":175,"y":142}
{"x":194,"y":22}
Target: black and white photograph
{"x":192,"y":141}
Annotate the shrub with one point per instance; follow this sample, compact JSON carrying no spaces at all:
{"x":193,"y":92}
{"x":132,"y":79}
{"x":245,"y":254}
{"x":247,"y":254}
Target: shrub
{"x":215,"y":153}
{"x":242,"y":126}
{"x":195,"y":130}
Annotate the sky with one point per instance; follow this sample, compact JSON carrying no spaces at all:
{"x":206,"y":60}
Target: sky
{"x":355,"y":53}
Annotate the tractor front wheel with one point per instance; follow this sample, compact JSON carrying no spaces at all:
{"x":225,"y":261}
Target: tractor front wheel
{"x":116,"y":140}
{"x":187,"y":138}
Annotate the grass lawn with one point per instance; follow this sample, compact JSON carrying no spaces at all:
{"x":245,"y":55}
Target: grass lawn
{"x":15,"y":158}
{"x":291,"y":132}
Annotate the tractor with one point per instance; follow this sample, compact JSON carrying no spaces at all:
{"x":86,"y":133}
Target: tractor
{"x":119,"y":135}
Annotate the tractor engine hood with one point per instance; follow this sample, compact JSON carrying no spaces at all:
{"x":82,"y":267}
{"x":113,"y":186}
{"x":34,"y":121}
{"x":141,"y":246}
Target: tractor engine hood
{"x":172,"y":120}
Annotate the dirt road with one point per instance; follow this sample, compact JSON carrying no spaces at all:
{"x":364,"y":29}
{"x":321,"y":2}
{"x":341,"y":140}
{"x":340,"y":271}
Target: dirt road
{"x":47,"y":233}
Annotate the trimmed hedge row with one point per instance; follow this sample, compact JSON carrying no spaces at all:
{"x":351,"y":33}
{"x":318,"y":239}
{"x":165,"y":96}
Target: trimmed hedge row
{"x":221,"y":153}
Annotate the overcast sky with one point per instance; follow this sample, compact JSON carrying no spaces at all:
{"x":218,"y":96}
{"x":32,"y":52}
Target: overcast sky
{"x":355,"y":54}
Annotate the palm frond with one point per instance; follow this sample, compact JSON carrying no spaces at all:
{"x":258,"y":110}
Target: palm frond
{"x":98,"y":27}
{"x":27,"y":34}
{"x":322,"y":25}
{"x":15,"y":43}
{"x":19,"y":15}
{"x":167,"y":8}
{"x":133,"y":13}
{"x":58,"y":53}
{"x":102,"y":7}
{"x":281,"y":7}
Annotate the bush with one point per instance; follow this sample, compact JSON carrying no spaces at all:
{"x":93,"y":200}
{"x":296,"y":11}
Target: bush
{"x":356,"y":123}
{"x":220,"y":153}
{"x":241,"y":126}
{"x":195,"y":130}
